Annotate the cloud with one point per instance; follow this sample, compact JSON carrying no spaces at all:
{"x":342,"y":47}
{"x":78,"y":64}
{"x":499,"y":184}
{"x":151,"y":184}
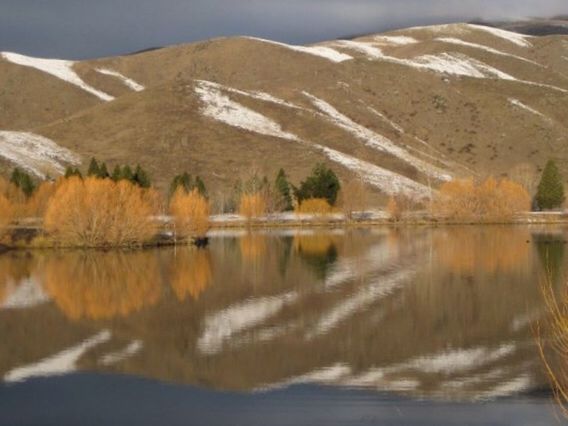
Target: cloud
{"x":84,"y":29}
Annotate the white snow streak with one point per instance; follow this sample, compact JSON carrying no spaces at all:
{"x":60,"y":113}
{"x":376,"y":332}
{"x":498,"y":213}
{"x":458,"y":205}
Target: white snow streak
{"x":459,"y":42}
{"x":375,"y":140}
{"x":322,"y":51}
{"x":515,"y":38}
{"x":61,"y":69}
{"x":61,"y":363}
{"x":396,"y":40}
{"x":525,"y":107}
{"x":127,"y":81}
{"x":366,"y":48}
{"x":35,"y":153}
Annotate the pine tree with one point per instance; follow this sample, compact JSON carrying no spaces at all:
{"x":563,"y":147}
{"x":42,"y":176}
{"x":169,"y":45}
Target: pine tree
{"x":183,"y":180}
{"x":103,"y":171}
{"x":550,"y":193}
{"x":23,"y":181}
{"x":126,"y":173}
{"x":200,"y":186}
{"x":93,"y":170}
{"x":68,"y":172}
{"x":322,"y":183}
{"x":116,"y":174}
{"x":141,"y":178}
{"x":283,"y":189}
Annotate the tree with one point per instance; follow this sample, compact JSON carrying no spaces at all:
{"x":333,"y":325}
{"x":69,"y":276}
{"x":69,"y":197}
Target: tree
{"x":141,"y":178}
{"x":354,"y":197}
{"x":23,"y":181}
{"x":99,"y":212}
{"x":191,"y":213}
{"x":93,"y":170}
{"x":283,"y":190}
{"x":314,"y":206}
{"x":252,"y":205}
{"x":116,"y":173}
{"x":180,"y":181}
{"x":200,"y":186}
{"x":103,"y":171}
{"x":322,"y":183}
{"x":70,"y":171}
{"x":550,"y":192}
{"x":126,"y":173}
{"x":6,"y":214}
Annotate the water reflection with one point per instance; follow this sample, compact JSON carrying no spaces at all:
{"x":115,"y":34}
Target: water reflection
{"x":437,"y":313}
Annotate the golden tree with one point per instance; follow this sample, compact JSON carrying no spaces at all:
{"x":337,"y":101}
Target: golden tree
{"x":191,"y":213}
{"x":314,"y":206}
{"x":6,"y":214}
{"x":99,"y":212}
{"x":252,"y":205}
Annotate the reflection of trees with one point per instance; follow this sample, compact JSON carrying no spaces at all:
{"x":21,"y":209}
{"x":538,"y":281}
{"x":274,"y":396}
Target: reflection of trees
{"x":192,"y":272}
{"x":101,"y":285}
{"x":551,"y":252}
{"x":14,"y":268}
{"x":317,"y":250}
{"x":253,"y":247}
{"x":491,"y":249}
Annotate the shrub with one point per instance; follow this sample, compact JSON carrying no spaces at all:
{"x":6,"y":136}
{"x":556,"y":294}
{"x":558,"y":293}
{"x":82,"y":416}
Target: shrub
{"x":550,"y":193}
{"x":315,"y":206}
{"x":100,"y":212}
{"x":354,"y":197}
{"x":464,"y":199}
{"x":191,"y":213}
{"x":252,"y":205}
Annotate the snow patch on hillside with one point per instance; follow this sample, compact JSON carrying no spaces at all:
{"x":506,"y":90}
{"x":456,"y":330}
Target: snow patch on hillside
{"x":375,"y":140}
{"x":457,"y":41}
{"x":527,"y":108}
{"x":321,"y":51}
{"x":395,"y":40}
{"x":370,"y":51}
{"x":221,"y":108}
{"x":61,"y":69}
{"x":35,"y":153}
{"x":455,"y":64}
{"x":127,"y":81}
{"x":515,"y":38}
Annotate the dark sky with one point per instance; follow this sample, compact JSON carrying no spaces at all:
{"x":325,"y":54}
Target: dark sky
{"x":77,"y":29}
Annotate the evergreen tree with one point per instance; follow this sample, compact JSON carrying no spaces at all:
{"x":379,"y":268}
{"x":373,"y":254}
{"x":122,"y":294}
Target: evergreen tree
{"x":116,"y":174}
{"x":550,"y":193}
{"x":200,"y":186}
{"x":126,"y":173}
{"x":141,"y":178}
{"x":283,"y":189}
{"x":23,"y":181}
{"x":322,"y":183}
{"x":103,"y":172}
{"x":70,"y":172}
{"x":183,"y":180}
{"x":93,"y":170}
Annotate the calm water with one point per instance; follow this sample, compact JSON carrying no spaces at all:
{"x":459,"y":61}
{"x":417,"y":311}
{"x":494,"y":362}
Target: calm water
{"x":372,"y":326}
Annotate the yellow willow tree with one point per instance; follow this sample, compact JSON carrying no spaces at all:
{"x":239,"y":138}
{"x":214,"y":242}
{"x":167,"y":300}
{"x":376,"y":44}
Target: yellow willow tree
{"x":354,"y":197}
{"x":315,"y":206}
{"x":99,"y":212}
{"x":7,"y":211}
{"x":252,"y":205}
{"x":191,"y":213}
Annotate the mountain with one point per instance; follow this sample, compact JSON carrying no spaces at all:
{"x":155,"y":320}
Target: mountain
{"x":405,"y":109}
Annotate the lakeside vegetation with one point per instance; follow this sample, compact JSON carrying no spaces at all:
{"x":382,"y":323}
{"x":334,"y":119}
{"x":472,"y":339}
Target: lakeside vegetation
{"x":122,"y":208}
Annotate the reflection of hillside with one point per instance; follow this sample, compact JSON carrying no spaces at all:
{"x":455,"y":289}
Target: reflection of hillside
{"x":192,"y":272}
{"x":99,"y":285}
{"x":16,"y":281}
{"x":392,"y":313}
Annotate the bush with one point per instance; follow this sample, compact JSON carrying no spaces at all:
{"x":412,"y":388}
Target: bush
{"x":464,"y":199}
{"x":191,"y":213}
{"x":322,"y":183}
{"x":315,"y":206}
{"x":252,"y":205}
{"x":550,"y":193}
{"x":99,"y":212}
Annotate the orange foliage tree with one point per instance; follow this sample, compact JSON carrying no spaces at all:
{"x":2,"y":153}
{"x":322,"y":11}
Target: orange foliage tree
{"x":315,"y":206}
{"x":252,"y":205}
{"x":191,"y":213}
{"x":99,"y":212}
{"x":490,"y":200}
{"x":6,"y":214}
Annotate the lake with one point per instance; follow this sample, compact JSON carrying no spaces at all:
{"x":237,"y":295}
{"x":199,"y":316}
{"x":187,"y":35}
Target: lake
{"x":409,"y":326}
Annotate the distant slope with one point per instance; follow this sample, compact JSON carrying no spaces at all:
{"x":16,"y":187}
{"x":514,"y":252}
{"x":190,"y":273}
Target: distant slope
{"x":405,"y":109}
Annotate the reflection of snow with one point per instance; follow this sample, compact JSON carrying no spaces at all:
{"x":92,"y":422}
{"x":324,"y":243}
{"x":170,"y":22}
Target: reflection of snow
{"x":129,"y":351}
{"x":220,"y":326}
{"x":25,"y":294}
{"x":61,"y":363}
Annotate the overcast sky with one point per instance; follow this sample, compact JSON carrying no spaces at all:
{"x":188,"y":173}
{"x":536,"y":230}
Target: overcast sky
{"x":77,"y":29}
